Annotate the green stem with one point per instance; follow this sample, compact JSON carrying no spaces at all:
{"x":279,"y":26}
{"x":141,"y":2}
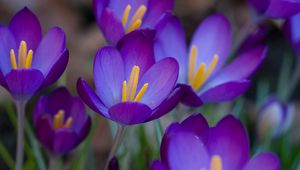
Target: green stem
{"x":20,"y":135}
{"x":5,"y":155}
{"x":293,"y":83}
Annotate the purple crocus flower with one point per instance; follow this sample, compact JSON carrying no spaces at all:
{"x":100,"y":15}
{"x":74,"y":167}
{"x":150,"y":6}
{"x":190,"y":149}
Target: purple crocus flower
{"x":274,"y":118}
{"x":61,"y":121}
{"x":193,"y":145}
{"x":202,"y":74}
{"x":117,"y":18}
{"x":292,"y":33}
{"x":276,"y":8}
{"x":131,"y":87}
{"x":28,"y":61}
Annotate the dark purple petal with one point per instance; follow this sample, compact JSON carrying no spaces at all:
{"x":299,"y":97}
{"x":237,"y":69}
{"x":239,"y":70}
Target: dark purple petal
{"x":129,"y":113}
{"x":187,"y":152}
{"x":109,"y":75}
{"x":23,"y":83}
{"x":90,"y":98}
{"x":64,"y":141}
{"x":7,"y":42}
{"x":44,"y":131}
{"x":241,"y":68}
{"x":57,"y":69}
{"x":26,"y":27}
{"x":157,"y":165}
{"x":212,"y":37}
{"x":229,"y":140}
{"x":225,"y":92}
{"x":137,"y":49}
{"x":85,"y":129}
{"x":167,"y":105}
{"x":49,"y":51}
{"x":196,"y":123}
{"x":160,"y":85}
{"x":155,"y":11}
{"x":170,"y":42}
{"x":111,"y":26}
{"x":189,"y":96}
{"x":2,"y":80}
{"x":99,"y":6}
{"x":263,"y":161}
{"x":291,"y":31}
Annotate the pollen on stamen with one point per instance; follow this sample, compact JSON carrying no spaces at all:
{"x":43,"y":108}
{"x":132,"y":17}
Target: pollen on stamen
{"x":22,"y":54}
{"x":29,"y":59}
{"x":69,"y":122}
{"x":58,"y":120}
{"x":216,"y":163}
{"x":126,"y":15}
{"x":136,"y":20}
{"x":141,"y":92}
{"x":192,"y":64}
{"x":13,"y":59}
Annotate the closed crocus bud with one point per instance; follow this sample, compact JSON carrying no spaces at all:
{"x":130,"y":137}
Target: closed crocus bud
{"x":274,"y":118}
{"x":61,"y":121}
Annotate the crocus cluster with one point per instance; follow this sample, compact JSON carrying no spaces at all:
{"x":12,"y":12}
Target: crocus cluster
{"x":193,"y":145}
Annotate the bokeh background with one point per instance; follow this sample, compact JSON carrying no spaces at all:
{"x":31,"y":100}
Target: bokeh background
{"x":83,"y":40}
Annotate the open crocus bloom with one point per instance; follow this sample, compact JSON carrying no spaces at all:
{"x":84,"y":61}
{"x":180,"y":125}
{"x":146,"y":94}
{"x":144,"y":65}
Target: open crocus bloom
{"x":28,"y":61}
{"x":202,"y":74}
{"x":130,"y":87}
{"x":61,"y":122}
{"x":117,"y":18}
{"x":193,"y":145}
{"x":276,"y":8}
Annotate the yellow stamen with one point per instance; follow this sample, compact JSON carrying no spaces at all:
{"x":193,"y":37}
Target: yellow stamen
{"x":131,"y":80}
{"x":216,"y":163}
{"x":13,"y":59}
{"x":58,"y":121}
{"x":68,"y":122}
{"x":22,"y":54}
{"x":192,"y":64}
{"x":141,"y":92}
{"x":134,"y":26}
{"x":29,"y":59}
{"x":135,"y":82}
{"x":200,"y":78}
{"x":125,"y":15}
{"x":124,"y":91}
{"x":212,"y":65}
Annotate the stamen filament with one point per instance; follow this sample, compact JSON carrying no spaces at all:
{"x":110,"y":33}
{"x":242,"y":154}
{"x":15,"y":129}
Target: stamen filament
{"x":192,"y":64}
{"x":13,"y":59}
{"x":125,"y":15}
{"x":29,"y":59}
{"x":68,"y":122}
{"x":130,"y":83}
{"x":124,"y":91}
{"x":134,"y":26}
{"x":200,"y":77}
{"x":212,"y":66}
{"x":58,"y":121}
{"x":216,"y":163}
{"x":22,"y":54}
{"x":135,"y":82}
{"x":139,"y":14}
{"x":141,"y":92}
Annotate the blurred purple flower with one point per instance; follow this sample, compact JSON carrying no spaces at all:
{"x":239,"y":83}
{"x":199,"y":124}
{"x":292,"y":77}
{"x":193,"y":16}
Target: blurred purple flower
{"x":275,"y":118}
{"x":117,"y":18}
{"x":202,"y":74}
{"x":292,"y":32}
{"x":276,"y":8}
{"x":193,"y":145}
{"x":130,"y":87}
{"x":61,"y":122}
{"x":28,"y":61}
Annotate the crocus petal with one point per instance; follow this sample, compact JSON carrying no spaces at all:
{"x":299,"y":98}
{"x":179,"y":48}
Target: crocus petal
{"x":160,"y":85}
{"x":49,"y":51}
{"x":167,"y":105}
{"x":110,"y":26}
{"x":229,"y":140}
{"x":2,"y":80}
{"x":157,"y":165}
{"x":137,"y":49}
{"x":90,"y":98}
{"x":57,"y":69}
{"x":190,"y":97}
{"x":118,"y":7}
{"x":212,"y":37}
{"x":109,"y":75}
{"x":84,"y":130}
{"x":99,"y":6}
{"x":129,"y":113}
{"x":65,"y":140}
{"x":23,"y":83}
{"x":263,"y":161}
{"x":187,"y":152}
{"x":26,"y":26}
{"x":197,"y":124}
{"x":7,"y":42}
{"x":156,"y":9}
{"x":170,"y":42}
{"x":225,"y":92}
{"x":44,"y":131}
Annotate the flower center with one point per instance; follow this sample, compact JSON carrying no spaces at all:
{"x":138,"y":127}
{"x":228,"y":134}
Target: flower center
{"x":216,"y":163}
{"x":136,"y":20}
{"x":197,"y":79}
{"x":59,"y":120}
{"x":24,"y":57}
{"x":129,"y":89}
